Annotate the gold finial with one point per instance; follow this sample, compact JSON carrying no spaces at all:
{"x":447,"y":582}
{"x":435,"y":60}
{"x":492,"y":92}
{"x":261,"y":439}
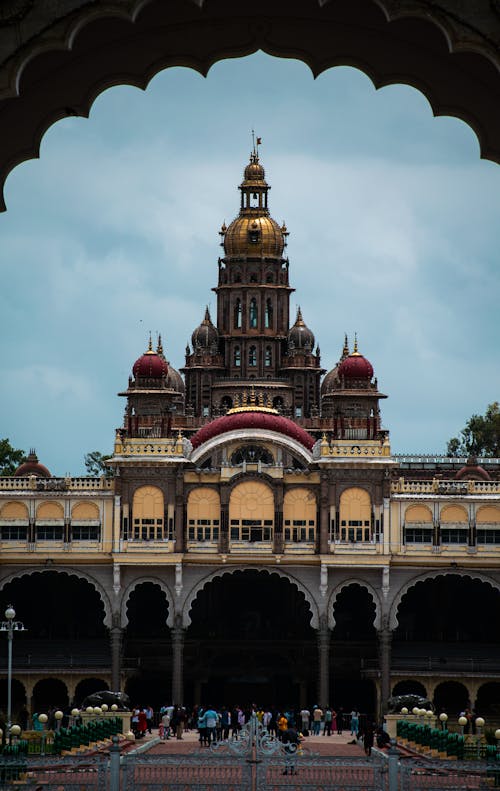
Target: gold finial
{"x":355,"y":350}
{"x":207,"y":319}
{"x":150,"y":345}
{"x":223,"y":229}
{"x":299,"y":320}
{"x":345,"y":350}
{"x":159,"y":349}
{"x":252,"y":402}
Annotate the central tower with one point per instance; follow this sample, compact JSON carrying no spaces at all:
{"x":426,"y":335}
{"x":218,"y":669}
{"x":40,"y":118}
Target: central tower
{"x":252,"y":343}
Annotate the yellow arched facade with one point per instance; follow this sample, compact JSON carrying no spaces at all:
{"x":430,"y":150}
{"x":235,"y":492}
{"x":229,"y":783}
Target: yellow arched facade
{"x":355,"y":515}
{"x":50,"y":522}
{"x":14,"y":510}
{"x":454,"y":514}
{"x":85,"y":522}
{"x":14,"y":520}
{"x":148,"y":510}
{"x":203,"y":515}
{"x":251,"y":512}
{"x":84,"y":512}
{"x":416,"y":514}
{"x":299,"y":516}
{"x":454,"y":525}
{"x":488,"y":525}
{"x":49,"y":511}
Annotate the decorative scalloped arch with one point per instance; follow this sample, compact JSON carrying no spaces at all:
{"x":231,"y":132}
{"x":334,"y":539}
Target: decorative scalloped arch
{"x":60,"y":71}
{"x":257,"y":435}
{"x":429,"y":575}
{"x":71,"y":572}
{"x":377,"y":623}
{"x":155,"y":581}
{"x":14,"y":509}
{"x":221,"y":572}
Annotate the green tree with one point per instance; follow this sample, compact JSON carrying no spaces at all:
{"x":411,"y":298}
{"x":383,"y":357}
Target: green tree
{"x":95,"y":464}
{"x":480,"y":437}
{"x":10,"y":458}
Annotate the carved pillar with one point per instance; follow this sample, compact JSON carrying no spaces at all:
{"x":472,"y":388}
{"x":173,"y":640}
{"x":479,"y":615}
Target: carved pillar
{"x":384,"y":645}
{"x":324,"y":516}
{"x":323,"y":666}
{"x":224,"y":520}
{"x":177,"y":665}
{"x":179,"y":513}
{"x":116,"y":636}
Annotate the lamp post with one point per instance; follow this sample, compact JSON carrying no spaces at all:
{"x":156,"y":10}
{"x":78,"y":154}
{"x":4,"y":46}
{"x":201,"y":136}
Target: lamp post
{"x":479,"y":727}
{"x":462,"y":721}
{"x":10,"y":626}
{"x":443,"y":718}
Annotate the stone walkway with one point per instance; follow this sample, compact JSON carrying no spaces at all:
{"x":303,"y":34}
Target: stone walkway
{"x":322,"y":745}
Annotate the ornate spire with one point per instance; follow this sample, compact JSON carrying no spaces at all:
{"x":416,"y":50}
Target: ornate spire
{"x":159,"y":348}
{"x":355,"y":350}
{"x":345,"y":350}
{"x":150,"y":345}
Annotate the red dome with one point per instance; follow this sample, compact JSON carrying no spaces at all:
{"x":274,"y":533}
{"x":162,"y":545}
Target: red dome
{"x":32,"y":467}
{"x":355,"y":367}
{"x":253,"y":420}
{"x":150,"y":366}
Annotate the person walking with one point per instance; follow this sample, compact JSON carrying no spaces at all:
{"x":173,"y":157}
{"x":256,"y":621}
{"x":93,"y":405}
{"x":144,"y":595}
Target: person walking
{"x":317,"y":717}
{"x":210,"y":718}
{"x":327,"y":728}
{"x":305,"y":717}
{"x":354,"y":722}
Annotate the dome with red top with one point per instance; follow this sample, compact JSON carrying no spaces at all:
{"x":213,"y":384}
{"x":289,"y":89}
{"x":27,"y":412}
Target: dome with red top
{"x":150,"y":365}
{"x":32,"y":467}
{"x":253,"y":420}
{"x":355,"y":366}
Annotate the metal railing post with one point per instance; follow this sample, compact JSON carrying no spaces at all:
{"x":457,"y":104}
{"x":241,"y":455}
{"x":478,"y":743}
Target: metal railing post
{"x":393,"y":755}
{"x":114,"y":765}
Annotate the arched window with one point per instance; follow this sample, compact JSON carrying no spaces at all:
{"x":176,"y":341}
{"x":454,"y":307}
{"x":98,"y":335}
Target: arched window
{"x":252,"y":356}
{"x":488,"y":525}
{"x":269,"y":277}
{"x":268,"y":357}
{"x":418,"y":528}
{"x":355,"y":515}
{"x":269,"y":314}
{"x":226,"y":403}
{"x":85,"y":522}
{"x":237,"y":314}
{"x":147,"y":515}
{"x":251,"y":454}
{"x":251,"y":512}
{"x":299,"y":516}
{"x":14,"y":522}
{"x":237,"y":356}
{"x":203,"y":515}
{"x":454,"y":525}
{"x":50,"y":522}
{"x":253,"y":314}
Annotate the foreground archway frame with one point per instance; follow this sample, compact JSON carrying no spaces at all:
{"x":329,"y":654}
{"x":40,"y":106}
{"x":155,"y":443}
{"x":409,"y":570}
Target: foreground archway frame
{"x":57,"y":57}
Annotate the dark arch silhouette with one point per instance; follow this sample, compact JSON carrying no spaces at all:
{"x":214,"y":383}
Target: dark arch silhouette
{"x":451,"y":697}
{"x":88,"y":686}
{"x":147,"y":646}
{"x":60,"y":72}
{"x":250,"y":639}
{"x":488,"y":700}
{"x":409,"y":687}
{"x":50,"y":693}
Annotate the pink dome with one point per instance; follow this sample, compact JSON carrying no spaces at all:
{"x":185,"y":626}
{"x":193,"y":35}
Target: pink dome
{"x":355,"y":367}
{"x":253,"y":420}
{"x":150,"y":366}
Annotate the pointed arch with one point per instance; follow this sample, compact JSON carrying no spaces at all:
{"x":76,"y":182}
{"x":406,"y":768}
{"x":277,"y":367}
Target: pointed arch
{"x":70,"y":572}
{"x":221,"y":572}
{"x":136,"y":583}
{"x":377,"y":623}
{"x":430,"y":575}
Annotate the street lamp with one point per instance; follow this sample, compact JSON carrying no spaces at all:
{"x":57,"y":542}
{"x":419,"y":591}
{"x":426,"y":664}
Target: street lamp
{"x":443,"y":719}
{"x":10,"y":626}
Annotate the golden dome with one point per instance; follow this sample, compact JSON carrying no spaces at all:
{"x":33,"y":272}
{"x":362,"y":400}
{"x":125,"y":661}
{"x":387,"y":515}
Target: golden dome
{"x":254,"y":236}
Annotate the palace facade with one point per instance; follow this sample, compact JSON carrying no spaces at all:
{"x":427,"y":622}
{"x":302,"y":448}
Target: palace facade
{"x":258,"y":540}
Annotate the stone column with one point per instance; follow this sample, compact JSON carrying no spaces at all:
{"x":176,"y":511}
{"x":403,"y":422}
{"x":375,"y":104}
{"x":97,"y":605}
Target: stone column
{"x":384,"y":645}
{"x":324,"y":517}
{"x":177,"y":665}
{"x":323,"y":666}
{"x":116,"y":636}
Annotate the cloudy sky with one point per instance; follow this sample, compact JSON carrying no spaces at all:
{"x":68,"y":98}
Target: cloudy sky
{"x":394,"y":234}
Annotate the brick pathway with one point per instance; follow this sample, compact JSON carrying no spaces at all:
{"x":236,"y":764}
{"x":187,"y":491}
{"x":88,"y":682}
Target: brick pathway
{"x":322,"y":745}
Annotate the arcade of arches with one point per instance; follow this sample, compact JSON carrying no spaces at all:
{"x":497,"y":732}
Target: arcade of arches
{"x":250,"y":638}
